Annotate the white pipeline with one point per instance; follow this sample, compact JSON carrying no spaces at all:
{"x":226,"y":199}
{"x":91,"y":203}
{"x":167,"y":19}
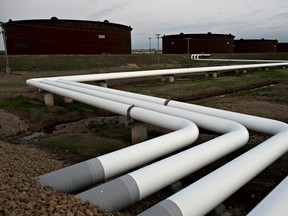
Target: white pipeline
{"x":149,"y":73}
{"x":182,"y":164}
{"x":276,"y":203}
{"x":208,"y":192}
{"x":84,"y":174}
{"x":197,"y":57}
{"x":205,"y":194}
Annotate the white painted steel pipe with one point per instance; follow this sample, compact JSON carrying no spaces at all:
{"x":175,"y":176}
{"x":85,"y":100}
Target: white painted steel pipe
{"x":208,"y":192}
{"x":152,"y":178}
{"x":258,"y":124}
{"x":275,"y":203}
{"x":182,"y":164}
{"x":133,"y":74}
{"x":236,"y":134}
{"x":197,"y":57}
{"x":205,"y":194}
{"x":84,"y":174}
{"x":208,"y":122}
{"x":242,"y":60}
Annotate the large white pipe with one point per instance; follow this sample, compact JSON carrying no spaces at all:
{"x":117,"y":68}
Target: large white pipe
{"x":208,"y":122}
{"x":84,"y":174}
{"x":208,"y":192}
{"x":182,"y":164}
{"x":258,"y":124}
{"x":275,"y":203}
{"x":133,"y":74}
{"x":150,"y":179}
{"x":220,"y":147}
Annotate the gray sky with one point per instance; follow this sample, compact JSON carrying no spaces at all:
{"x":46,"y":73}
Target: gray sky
{"x":248,"y":19}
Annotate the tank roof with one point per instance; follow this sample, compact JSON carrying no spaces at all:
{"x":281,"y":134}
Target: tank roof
{"x":55,"y":19}
{"x":199,"y":35}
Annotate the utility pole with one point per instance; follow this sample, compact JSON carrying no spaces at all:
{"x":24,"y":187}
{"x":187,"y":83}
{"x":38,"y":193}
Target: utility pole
{"x":149,"y":45}
{"x":158,"y":58}
{"x":158,"y":37}
{"x":188,"y":45}
{"x":5,"y":46}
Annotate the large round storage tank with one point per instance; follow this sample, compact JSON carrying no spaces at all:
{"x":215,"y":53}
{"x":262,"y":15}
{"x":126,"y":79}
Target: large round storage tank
{"x":198,"y":43}
{"x":56,"y":36}
{"x":255,"y":46}
{"x":282,"y":47}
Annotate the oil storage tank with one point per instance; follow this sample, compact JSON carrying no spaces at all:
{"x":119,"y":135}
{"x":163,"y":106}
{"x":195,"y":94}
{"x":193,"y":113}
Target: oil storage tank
{"x":60,"y":36}
{"x":255,"y":46}
{"x":198,"y":43}
{"x":282,"y":47}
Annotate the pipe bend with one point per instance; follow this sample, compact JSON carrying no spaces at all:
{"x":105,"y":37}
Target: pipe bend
{"x":69,"y":179}
{"x":202,"y":196}
{"x":241,"y":164}
{"x":110,"y":195}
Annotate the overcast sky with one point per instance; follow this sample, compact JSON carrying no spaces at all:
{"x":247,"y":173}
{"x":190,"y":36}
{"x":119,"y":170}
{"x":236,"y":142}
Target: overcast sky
{"x":247,"y":19}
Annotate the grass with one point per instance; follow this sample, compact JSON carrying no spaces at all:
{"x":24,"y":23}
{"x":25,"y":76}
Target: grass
{"x":35,"y":110}
{"x":100,"y":63}
{"x":113,"y":131}
{"x":191,"y":86}
{"x":84,"y":146}
{"x":89,"y":62}
{"x":19,"y":102}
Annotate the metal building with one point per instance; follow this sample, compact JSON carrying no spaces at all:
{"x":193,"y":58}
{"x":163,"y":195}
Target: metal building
{"x":198,"y":43}
{"x":282,"y":47}
{"x":57,"y":36}
{"x":255,"y":46}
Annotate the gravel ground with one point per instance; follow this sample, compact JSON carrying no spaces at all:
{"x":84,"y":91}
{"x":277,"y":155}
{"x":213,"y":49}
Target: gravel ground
{"x":20,"y":194}
{"x":11,"y":125}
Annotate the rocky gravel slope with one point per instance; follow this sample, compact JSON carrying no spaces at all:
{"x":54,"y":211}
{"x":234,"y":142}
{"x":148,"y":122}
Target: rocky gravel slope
{"x":20,"y":194}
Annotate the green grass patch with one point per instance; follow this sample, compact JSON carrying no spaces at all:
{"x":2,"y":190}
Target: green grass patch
{"x":20,"y":102}
{"x":84,"y":145}
{"x":35,"y":109}
{"x":111,"y":130}
{"x":281,"y":75}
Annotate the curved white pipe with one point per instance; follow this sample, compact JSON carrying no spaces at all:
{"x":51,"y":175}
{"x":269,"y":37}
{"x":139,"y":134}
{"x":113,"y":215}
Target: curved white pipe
{"x":182,"y":164}
{"x":205,"y":194}
{"x":275,"y":203}
{"x":81,"y":175}
{"x":152,"y":178}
